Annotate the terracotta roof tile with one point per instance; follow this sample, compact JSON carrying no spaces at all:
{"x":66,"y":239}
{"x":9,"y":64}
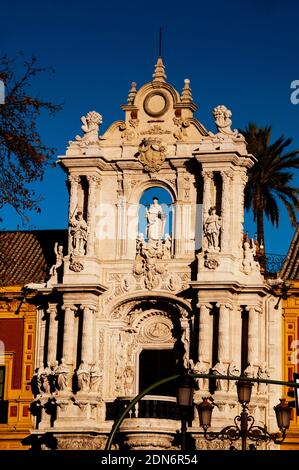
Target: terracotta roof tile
{"x":290,"y":268}
{"x":27,"y":256}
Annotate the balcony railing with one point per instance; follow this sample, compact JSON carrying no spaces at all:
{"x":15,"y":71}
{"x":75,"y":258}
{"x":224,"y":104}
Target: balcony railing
{"x":158,"y":407}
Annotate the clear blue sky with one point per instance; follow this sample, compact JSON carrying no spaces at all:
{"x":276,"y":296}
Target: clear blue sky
{"x":241,"y":54}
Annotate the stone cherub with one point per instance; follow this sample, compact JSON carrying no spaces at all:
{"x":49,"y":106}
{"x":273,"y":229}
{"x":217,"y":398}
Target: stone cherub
{"x":90,"y":127}
{"x":223,"y":121}
{"x":58,"y":250}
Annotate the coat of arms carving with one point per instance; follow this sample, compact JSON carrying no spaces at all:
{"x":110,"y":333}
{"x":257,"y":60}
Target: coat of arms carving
{"x":151,"y":153}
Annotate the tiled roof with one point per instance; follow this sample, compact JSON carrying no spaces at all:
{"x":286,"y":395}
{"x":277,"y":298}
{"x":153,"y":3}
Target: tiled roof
{"x":290,"y":268}
{"x":27,"y":256}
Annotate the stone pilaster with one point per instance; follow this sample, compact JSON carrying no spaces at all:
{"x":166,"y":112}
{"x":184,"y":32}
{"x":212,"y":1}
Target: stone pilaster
{"x":68,"y":334}
{"x":73,"y":202}
{"x":93,"y":182}
{"x":223,"y":332}
{"x":205,"y":333}
{"x":207,"y":182}
{"x":52,"y":336}
{"x":87,"y":333}
{"x":227,"y":176}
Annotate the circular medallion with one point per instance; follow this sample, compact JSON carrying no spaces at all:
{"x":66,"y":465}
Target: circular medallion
{"x":156,"y":103}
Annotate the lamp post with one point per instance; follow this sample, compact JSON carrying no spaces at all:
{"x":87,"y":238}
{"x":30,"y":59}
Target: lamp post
{"x":185,"y":390}
{"x":244,"y":427}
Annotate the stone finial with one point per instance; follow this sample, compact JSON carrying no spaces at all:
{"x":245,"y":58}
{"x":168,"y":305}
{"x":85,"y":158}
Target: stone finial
{"x":159,"y":74}
{"x":132,"y":93}
{"x":186,"y":96}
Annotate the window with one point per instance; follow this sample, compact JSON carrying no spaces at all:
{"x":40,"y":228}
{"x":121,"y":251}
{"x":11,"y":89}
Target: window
{"x":2,"y":377}
{"x":154,"y":365}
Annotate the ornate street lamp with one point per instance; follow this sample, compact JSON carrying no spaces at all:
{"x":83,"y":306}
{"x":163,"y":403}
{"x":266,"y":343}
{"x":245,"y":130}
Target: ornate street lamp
{"x":244,"y":427}
{"x":185,"y":391}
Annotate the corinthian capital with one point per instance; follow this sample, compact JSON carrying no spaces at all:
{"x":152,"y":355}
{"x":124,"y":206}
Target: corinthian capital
{"x":93,"y":179}
{"x":74,"y":179}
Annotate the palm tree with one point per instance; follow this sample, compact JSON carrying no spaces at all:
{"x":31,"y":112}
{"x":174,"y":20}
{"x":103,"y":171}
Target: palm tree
{"x":270,"y":178}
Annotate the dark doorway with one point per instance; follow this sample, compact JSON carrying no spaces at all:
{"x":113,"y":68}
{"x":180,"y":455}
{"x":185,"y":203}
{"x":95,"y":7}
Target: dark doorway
{"x":154,"y":365}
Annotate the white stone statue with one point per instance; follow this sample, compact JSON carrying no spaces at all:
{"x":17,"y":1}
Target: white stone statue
{"x":167,"y":247}
{"x":223,"y":122}
{"x":128,"y":380}
{"x":155,"y":221}
{"x":96,"y":377}
{"x":78,"y":230}
{"x":36,"y":383}
{"x":45,"y":383}
{"x":232,"y":370}
{"x":200,"y":368}
{"x":90,"y":127}
{"x":262,"y":373}
{"x":58,"y":250}
{"x":212,"y":227}
{"x":83,"y":373}
{"x":62,"y":374}
{"x":249,"y":252}
{"x":219,"y":369}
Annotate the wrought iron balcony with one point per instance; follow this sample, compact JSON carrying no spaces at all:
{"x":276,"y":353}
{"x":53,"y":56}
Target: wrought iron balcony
{"x":158,"y":407}
{"x":274,"y":263}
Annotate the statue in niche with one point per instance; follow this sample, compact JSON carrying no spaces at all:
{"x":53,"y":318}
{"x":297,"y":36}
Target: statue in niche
{"x":200,"y":368}
{"x":219,"y":369}
{"x":212,"y":228}
{"x":90,"y":127}
{"x":78,"y":231}
{"x":128,"y":380}
{"x":62,"y":373}
{"x":263,"y":373}
{"x":96,"y":377}
{"x":83,"y":377}
{"x":155,"y":221}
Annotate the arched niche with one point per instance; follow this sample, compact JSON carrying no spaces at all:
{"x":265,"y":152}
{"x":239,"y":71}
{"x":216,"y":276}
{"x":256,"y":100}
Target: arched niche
{"x":165,"y":200}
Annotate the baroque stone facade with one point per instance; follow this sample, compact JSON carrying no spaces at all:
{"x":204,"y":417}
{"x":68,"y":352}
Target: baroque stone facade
{"x":117,"y":296}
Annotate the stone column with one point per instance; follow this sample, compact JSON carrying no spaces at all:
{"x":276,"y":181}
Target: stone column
{"x":223,"y":332}
{"x":93,"y":181}
{"x":121,"y":227}
{"x":207,"y":180}
{"x":87,"y":333}
{"x":40,"y":336}
{"x":68,"y":334}
{"x":74,"y":181}
{"x":53,"y":330}
{"x":227,"y":176}
{"x":253,"y":334}
{"x":205,"y":333}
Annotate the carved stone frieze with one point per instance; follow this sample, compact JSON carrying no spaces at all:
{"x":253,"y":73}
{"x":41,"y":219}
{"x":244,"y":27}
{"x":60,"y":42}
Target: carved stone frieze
{"x":151,"y":153}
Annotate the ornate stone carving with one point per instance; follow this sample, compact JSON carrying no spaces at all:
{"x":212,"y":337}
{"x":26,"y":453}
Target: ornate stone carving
{"x":148,"y":262}
{"x":262,"y":373}
{"x":212,"y":226}
{"x":157,"y":328}
{"x":76,"y":266}
{"x":83,"y":377}
{"x":174,"y":283}
{"x":81,"y":443}
{"x":219,"y":369}
{"x":155,"y":130}
{"x":222,"y":117}
{"x":249,"y":252}
{"x":96,"y":377}
{"x":211,"y":263}
{"x":78,"y":230}
{"x":62,"y":374}
{"x":200,"y":368}
{"x":90,"y":127}
{"x":232,"y":370}
{"x":132,"y":94}
{"x":126,"y":133}
{"x":129,"y":380}
{"x":249,"y":371}
{"x":182,"y":125}
{"x":151,"y":153}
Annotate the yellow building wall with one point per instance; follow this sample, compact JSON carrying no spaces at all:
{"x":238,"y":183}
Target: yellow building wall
{"x":19,"y":417}
{"x":291,"y":357}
